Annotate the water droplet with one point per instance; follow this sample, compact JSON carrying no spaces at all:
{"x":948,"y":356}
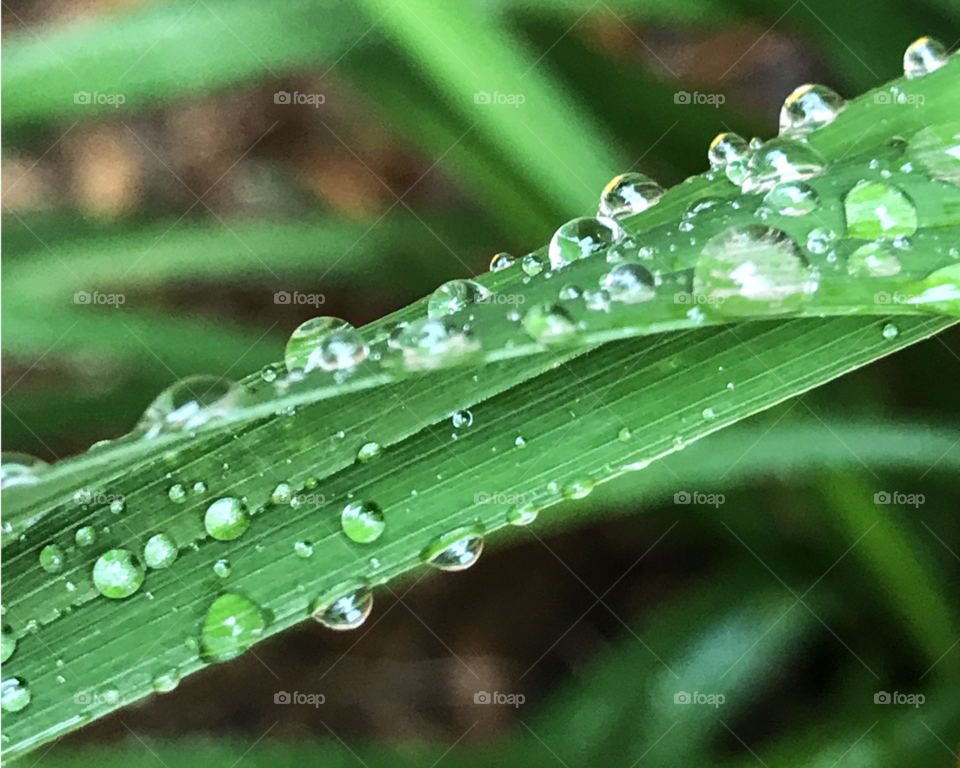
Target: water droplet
{"x":455,"y":551}
{"x":188,"y":404}
{"x":940,"y":292}
{"x":19,"y":469}
{"x":729,"y":153}
{"x":924,"y":56}
{"x":430,"y":342}
{"x":876,"y":209}
{"x":199,"y":487}
{"x":456,"y":296}
{"x":8,"y":644}
{"x":873,"y":260}
{"x":520,"y":442}
{"x":709,"y":413}
{"x":462,"y":419}
{"x":792,"y":198}
{"x":303,"y":549}
{"x":160,"y":551}
{"x":226,"y":519}
{"x":117,"y":506}
{"x":820,"y":239}
{"x":809,"y":108}
{"x":597,"y":301}
{"x":222,"y":568}
{"x":522,"y":515}
{"x":501,"y":261}
{"x":282,"y":494}
{"x":363,"y":521}
{"x":533,"y":264}
{"x":581,"y":237}
{"x":936,"y":149}
{"x":570,"y":292}
{"x":166,"y":683}
{"x":629,"y":284}
{"x":269,"y":373}
{"x":177,"y":494}
{"x":85,"y":536}
{"x":781,"y":160}
{"x":118,"y":574}
{"x":625,"y":434}
{"x":752,"y":270}
{"x":344,"y":607}
{"x":369,"y":452}
{"x":14,"y":695}
{"x":327,"y":343}
{"x":546,"y":322}
{"x":628,"y":194}
{"x":890,"y":331}
{"x":578,"y":488}
{"x":232,"y":625}
{"x":51,"y":558}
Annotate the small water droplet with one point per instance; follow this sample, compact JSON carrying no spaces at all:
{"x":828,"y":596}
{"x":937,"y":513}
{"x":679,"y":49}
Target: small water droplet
{"x":570,"y":292}
{"x":890,"y":331}
{"x":520,"y":442}
{"x":282,"y":494}
{"x":455,"y":296}
{"x":14,"y":695}
{"x":344,"y":607}
{"x":924,"y":56}
{"x":51,"y":558}
{"x":522,"y":515}
{"x":625,"y":434}
{"x":629,"y":194}
{"x":363,"y":522}
{"x":462,"y":419}
{"x":546,"y":322}
{"x":501,"y":261}
{"x":166,"y":682}
{"x":118,"y":573}
{"x":303,"y":549}
{"x":792,"y":198}
{"x":269,"y":373}
{"x":820,"y":240}
{"x":873,"y":260}
{"x":809,"y":108}
{"x":428,"y":343}
{"x":222,"y":568}
{"x":160,"y":551}
{"x":533,"y":264}
{"x":455,"y":551}
{"x":117,"y":506}
{"x":629,"y":284}
{"x":368,"y":452}
{"x":188,"y":404}
{"x":226,"y":519}
{"x":199,"y":487}
{"x":580,"y":238}
{"x":779,"y":161}
{"x":232,"y":625}
{"x":327,"y":343}
{"x":86,"y":536}
{"x":709,"y":413}
{"x":177,"y":494}
{"x":729,"y":153}
{"x":578,"y":488}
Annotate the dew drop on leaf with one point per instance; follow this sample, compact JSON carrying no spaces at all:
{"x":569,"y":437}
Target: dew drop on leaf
{"x":233,"y":623}
{"x":363,"y":521}
{"x":85,"y":536}
{"x":522,"y":515}
{"x":368,"y":452}
{"x":166,"y":682}
{"x":326,"y":343}
{"x":51,"y":558}
{"x":303,"y":549}
{"x":118,"y":573}
{"x":890,"y":331}
{"x":177,"y":494}
{"x":226,"y":519}
{"x":532,"y":264}
{"x":809,"y":108}
{"x":222,"y":568}
{"x":578,"y":488}
{"x":501,"y":261}
{"x":876,"y":209}
{"x":792,"y":198}
{"x":580,"y":238}
{"x":629,"y":284}
{"x":14,"y":695}
{"x":779,"y":161}
{"x":160,"y":551}
{"x":546,"y":322}
{"x":462,"y":419}
{"x":19,"y":469}
{"x":188,"y":404}
{"x":729,"y":152}
{"x":628,"y":194}
{"x":345,"y":607}
{"x":456,"y":296}
{"x":455,"y":551}
{"x":924,"y":56}
{"x":873,"y":260}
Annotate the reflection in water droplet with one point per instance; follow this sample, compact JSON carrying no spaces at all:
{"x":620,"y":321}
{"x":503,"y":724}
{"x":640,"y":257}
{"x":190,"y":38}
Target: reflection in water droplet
{"x":501,"y":261}
{"x":548,"y":322}
{"x":160,"y":551}
{"x":14,"y":695}
{"x":924,"y":56}
{"x":578,"y":488}
{"x":729,"y":153}
{"x":363,"y":521}
{"x":753,"y":270}
{"x":455,"y":296}
{"x":876,"y":209}
{"x":327,"y":343}
{"x":455,"y":551}
{"x":188,"y":404}
{"x":118,"y":574}
{"x":629,"y":284}
{"x":873,"y":260}
{"x":820,"y":239}
{"x":431,"y":342}
{"x":809,"y":108}
{"x":890,"y":331}
{"x":269,"y":373}
{"x":232,"y":625}
{"x":368,"y":452}
{"x":344,"y":607}
{"x":226,"y":519}
{"x":781,"y":160}
{"x":628,"y":194}
{"x":522,"y":515}
{"x":580,"y":238}
{"x":792,"y":198}
{"x":51,"y":558}
{"x":462,"y":419}
{"x":533,"y":265}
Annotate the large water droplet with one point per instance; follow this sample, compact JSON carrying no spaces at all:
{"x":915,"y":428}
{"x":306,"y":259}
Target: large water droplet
{"x":455,"y":551}
{"x":533,"y":264}
{"x":166,"y":682}
{"x":344,"y":607}
{"x":501,"y":261}
{"x":792,"y":198}
{"x":363,"y":521}
{"x":873,"y":260}
{"x":809,"y":108}
{"x":578,"y":488}
{"x":923,"y":56}
{"x":522,"y":515}
{"x":752,"y":270}
{"x":51,"y":558}
{"x":875,"y":209}
{"x":327,"y":343}
{"x":581,"y":237}
{"x":188,"y":404}
{"x":629,"y":284}
{"x":19,"y":469}
{"x":548,"y":322}
{"x":729,"y":153}
{"x":456,"y":296}
{"x":428,"y":343}
{"x":160,"y":551}
{"x":8,"y":644}
{"x":369,"y":452}
{"x":14,"y":695}
{"x":940,"y":292}
{"x":226,"y":519}
{"x":118,"y":573}
{"x":232,"y":625}
{"x":629,"y":193}
{"x":781,"y":160}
